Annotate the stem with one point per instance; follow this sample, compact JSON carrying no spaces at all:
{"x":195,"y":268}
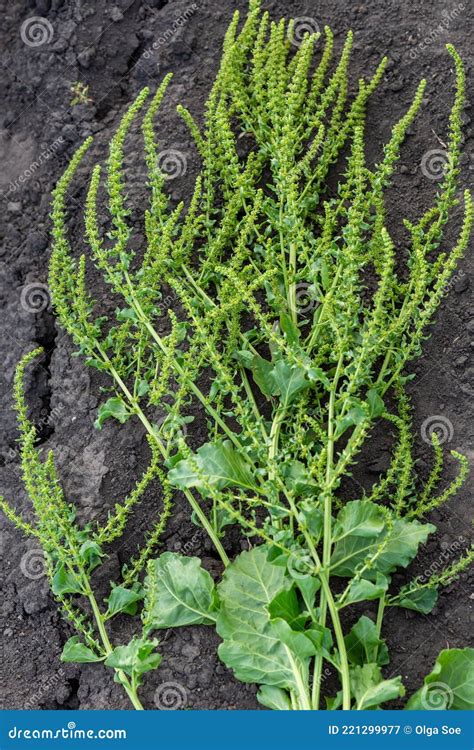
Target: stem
{"x":341,"y":644}
{"x":327,"y":534}
{"x":124,"y":681}
{"x":149,"y":428}
{"x":292,"y":286}
{"x":380,"y":614}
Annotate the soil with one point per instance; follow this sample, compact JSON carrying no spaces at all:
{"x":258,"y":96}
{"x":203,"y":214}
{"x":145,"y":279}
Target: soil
{"x":109,"y":47}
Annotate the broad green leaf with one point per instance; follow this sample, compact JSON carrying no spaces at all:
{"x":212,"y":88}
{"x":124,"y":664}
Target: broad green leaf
{"x":364,"y":645}
{"x":289,"y":328}
{"x":278,"y":378}
{"x":361,"y":590}
{"x":450,"y":685}
{"x":354,"y":416}
{"x":286,"y":606}
{"x":178,"y":592}
{"x":136,"y":658}
{"x":255,"y":647}
{"x":404,"y":540}
{"x":75,"y":651}
{"x":65,"y":583}
{"x":124,"y":600}
{"x":321,"y":637}
{"x":308,"y":585}
{"x":359,"y":518}
{"x":216,"y":464}
{"x":376,"y":404}
{"x":91,"y":553}
{"x":289,"y":381}
{"x":113,"y":407}
{"x":317,"y":375}
{"x":298,"y":479}
{"x":262,"y":371}
{"x":274,"y":698}
{"x":370,"y":689}
{"x":360,"y":531}
{"x":421,"y":600}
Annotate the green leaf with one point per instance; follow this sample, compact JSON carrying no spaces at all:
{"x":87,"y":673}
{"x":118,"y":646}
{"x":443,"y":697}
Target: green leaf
{"x":136,"y":658}
{"x":124,"y":600}
{"x":362,"y":531}
{"x":261,"y":369}
{"x":289,"y":328}
{"x":113,"y":407}
{"x":359,"y":518}
{"x":308,"y":585}
{"x":178,"y":592}
{"x":215,"y":464}
{"x":370,"y":689}
{"x":317,"y":375}
{"x":286,"y":606}
{"x":450,"y":685}
{"x":364,"y":645}
{"x":361,"y":590}
{"x":354,"y":416}
{"x":65,"y":583}
{"x":298,"y":479}
{"x":321,"y":637}
{"x":91,"y":553}
{"x":257,"y":648}
{"x":289,"y":381}
{"x":274,"y":698}
{"x":142,"y":388}
{"x":376,"y":404}
{"x":421,"y":600}
{"x":403,"y":541}
{"x":76,"y":651}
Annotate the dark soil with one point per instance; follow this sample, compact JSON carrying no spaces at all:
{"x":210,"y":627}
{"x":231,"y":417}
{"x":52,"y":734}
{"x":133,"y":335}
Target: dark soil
{"x":105,"y":46}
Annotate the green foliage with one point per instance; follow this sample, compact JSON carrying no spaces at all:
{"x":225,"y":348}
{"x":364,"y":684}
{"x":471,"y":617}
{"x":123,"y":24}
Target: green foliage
{"x":294,"y":320}
{"x":178,"y":592}
{"x":74,"y":552}
{"x":450,"y":684}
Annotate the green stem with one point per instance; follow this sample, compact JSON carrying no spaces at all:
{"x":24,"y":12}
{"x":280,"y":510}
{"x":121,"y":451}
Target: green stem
{"x":149,"y":428}
{"x":292,"y":285}
{"x":327,"y":533}
{"x":380,"y":614}
{"x":341,"y":644}
{"x":124,"y":681}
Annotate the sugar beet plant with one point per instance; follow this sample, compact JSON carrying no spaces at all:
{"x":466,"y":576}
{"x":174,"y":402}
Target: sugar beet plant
{"x":73,"y":553}
{"x":294,"y":320}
